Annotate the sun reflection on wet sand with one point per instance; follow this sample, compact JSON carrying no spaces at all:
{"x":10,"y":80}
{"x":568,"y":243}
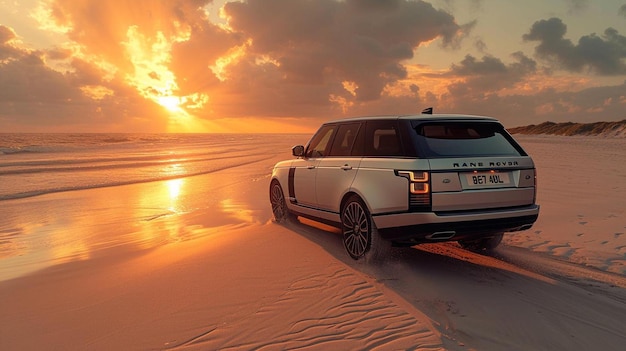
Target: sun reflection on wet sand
{"x":161,"y":212}
{"x":64,"y":227}
{"x":49,"y":230}
{"x":42,"y":238}
{"x":237,"y":210}
{"x":174,"y":187}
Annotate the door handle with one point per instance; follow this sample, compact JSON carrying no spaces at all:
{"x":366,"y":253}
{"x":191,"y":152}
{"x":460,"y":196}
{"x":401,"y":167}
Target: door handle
{"x":310,"y":167}
{"x":346,"y":167}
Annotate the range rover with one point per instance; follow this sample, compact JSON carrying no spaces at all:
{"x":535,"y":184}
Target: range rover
{"x":406,"y":180}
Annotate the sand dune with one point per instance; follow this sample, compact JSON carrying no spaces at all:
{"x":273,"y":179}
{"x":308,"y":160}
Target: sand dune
{"x":603,"y":129}
{"x":212,"y":271}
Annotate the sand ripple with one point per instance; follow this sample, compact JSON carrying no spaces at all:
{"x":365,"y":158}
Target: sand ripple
{"x":320,"y":313}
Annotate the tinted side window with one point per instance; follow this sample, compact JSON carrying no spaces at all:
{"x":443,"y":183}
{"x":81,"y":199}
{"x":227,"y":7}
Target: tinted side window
{"x":344,"y":140}
{"x":382,"y":139}
{"x":359,"y":144}
{"x":320,"y":144}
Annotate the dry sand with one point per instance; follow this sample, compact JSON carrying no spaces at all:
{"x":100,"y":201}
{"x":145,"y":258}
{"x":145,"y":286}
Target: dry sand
{"x":199,"y":265}
{"x":582,"y":192}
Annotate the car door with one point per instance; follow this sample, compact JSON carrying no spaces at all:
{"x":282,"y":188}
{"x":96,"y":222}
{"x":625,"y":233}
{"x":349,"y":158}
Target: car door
{"x":336,"y":172}
{"x":306,"y":168}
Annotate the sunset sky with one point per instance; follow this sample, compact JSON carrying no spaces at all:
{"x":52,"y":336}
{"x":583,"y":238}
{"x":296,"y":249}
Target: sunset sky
{"x":287,"y":65}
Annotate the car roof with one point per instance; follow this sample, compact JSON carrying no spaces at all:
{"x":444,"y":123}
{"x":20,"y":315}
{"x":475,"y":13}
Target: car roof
{"x":421,"y":117}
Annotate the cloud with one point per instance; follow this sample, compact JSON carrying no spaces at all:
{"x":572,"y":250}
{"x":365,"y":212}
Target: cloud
{"x":521,"y":92}
{"x":471,"y":66}
{"x":273,"y":58}
{"x":603,"y":55}
{"x":490,"y":74}
{"x":577,"y":6}
{"x":547,"y":104}
{"x":622,"y":10}
{"x":328,"y":42}
{"x":480,"y":45}
{"x":25,"y":78}
{"x":6,"y":34}
{"x":149,"y":65}
{"x":474,"y":5}
{"x":33,"y":96}
{"x":7,"y":50}
{"x":111,"y":72}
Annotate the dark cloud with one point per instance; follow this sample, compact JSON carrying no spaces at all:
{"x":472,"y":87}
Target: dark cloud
{"x":603,"y":55}
{"x":484,"y":80}
{"x":24,"y":76}
{"x":588,"y":105}
{"x":622,"y":10}
{"x":327,"y":42}
{"x":577,"y":6}
{"x":480,"y":45}
{"x":471,"y":66}
{"x":34,"y":96}
{"x":490,"y":74}
{"x":475,"y":5}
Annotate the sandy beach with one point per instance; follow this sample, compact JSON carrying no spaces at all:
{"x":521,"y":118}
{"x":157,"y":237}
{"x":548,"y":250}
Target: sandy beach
{"x":197,"y":264}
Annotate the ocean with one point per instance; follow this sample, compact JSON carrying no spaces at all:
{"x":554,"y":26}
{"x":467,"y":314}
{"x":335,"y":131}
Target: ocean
{"x":45,"y":220}
{"x":36,"y":164}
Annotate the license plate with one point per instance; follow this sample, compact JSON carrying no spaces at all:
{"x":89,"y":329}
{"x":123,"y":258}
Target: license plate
{"x":488,"y":179}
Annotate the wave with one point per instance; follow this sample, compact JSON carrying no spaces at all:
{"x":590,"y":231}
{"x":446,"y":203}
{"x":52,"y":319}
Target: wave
{"x":16,"y":143}
{"x":130,"y":163}
{"x":63,"y":164}
{"x":116,"y":140}
{"x":110,"y":183}
{"x":33,"y":149}
{"x":58,"y":148}
{"x":11,"y":151}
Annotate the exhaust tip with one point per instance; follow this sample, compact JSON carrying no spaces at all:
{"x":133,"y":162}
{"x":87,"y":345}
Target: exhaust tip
{"x":441,"y":235}
{"x":524,"y":227}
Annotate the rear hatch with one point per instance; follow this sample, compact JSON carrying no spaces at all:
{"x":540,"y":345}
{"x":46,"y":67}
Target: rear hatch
{"x":475,"y":165}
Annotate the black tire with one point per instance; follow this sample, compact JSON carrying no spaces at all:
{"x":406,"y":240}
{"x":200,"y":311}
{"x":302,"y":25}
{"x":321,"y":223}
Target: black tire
{"x":360,"y":235}
{"x":279,"y":204}
{"x":486,"y":244}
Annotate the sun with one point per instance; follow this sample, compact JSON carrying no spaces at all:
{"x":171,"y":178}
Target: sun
{"x":172,"y":103}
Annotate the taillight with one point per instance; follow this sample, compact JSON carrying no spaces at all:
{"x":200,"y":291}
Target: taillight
{"x":419,"y":189}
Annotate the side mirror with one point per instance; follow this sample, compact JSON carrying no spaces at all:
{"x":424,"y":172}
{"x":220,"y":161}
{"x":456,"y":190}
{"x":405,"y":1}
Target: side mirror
{"x":297,"y":150}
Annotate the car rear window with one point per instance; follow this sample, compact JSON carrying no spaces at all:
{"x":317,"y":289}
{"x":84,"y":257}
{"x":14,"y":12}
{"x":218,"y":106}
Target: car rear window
{"x":463,"y":139}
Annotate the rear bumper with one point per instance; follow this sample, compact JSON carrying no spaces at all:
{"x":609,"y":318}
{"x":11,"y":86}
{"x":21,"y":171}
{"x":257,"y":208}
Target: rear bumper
{"x":435,"y":226}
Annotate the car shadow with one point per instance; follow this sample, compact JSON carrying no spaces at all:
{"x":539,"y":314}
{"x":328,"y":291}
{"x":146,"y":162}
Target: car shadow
{"x":440,"y":255}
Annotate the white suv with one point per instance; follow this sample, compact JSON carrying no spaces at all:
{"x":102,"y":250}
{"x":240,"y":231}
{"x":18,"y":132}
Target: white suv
{"x":406,"y":180}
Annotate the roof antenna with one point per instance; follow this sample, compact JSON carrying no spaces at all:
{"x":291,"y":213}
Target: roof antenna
{"x":427,"y":111}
